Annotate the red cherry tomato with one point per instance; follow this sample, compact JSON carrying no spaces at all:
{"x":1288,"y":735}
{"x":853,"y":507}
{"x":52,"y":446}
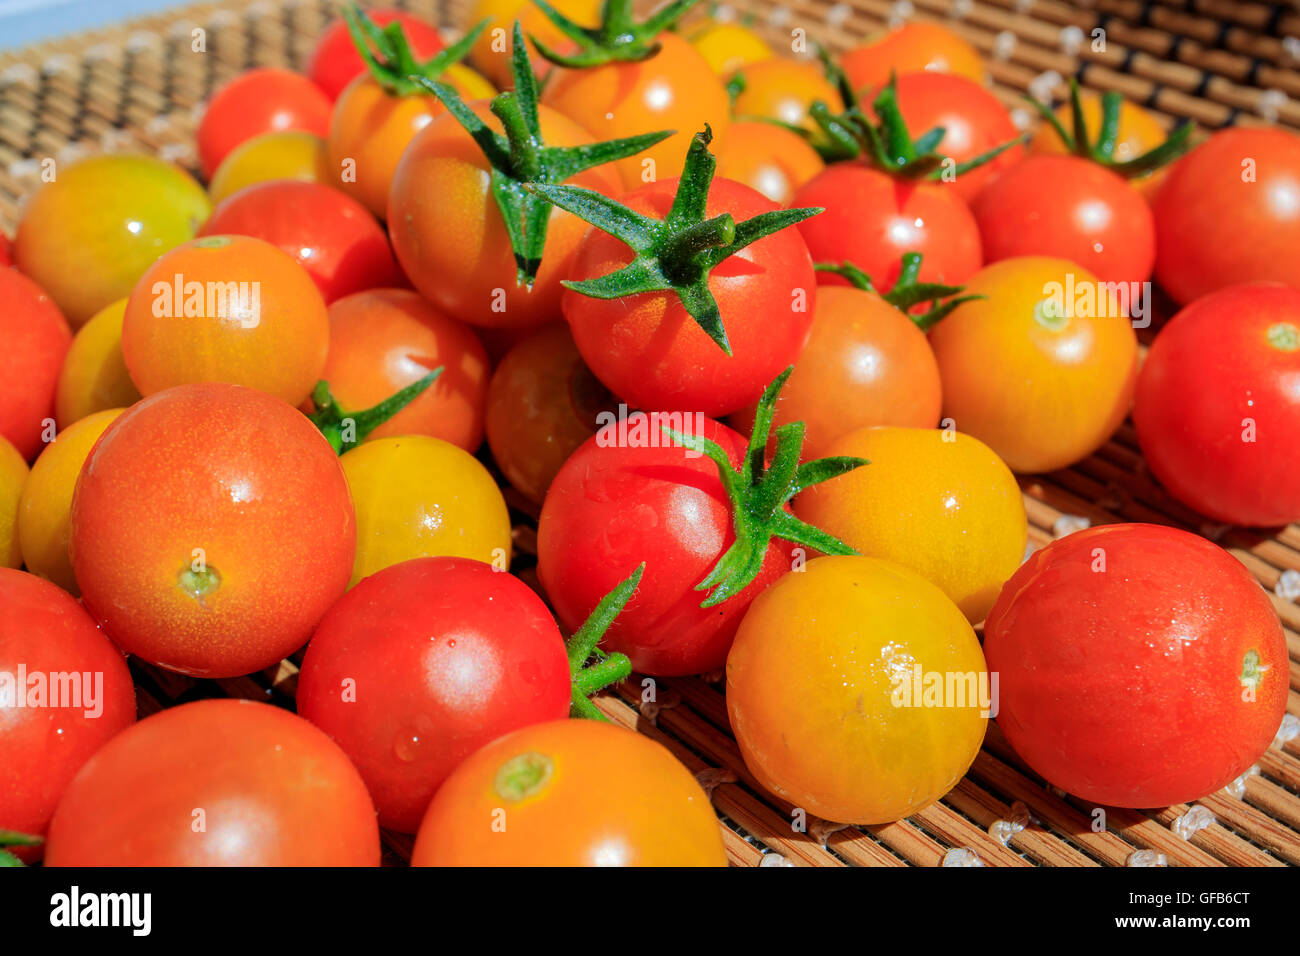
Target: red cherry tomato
{"x":1217,"y":410}
{"x":1071,"y":208}
{"x":49,"y":729}
{"x":6,"y":251}
{"x":335,"y":62}
{"x":36,"y":339}
{"x":423,"y":663}
{"x":1140,"y":666}
{"x":872,"y":218}
{"x":331,"y":235}
{"x":264,"y":100}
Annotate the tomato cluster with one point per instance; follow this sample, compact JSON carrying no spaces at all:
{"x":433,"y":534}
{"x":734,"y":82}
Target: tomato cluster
{"x":760,"y":343}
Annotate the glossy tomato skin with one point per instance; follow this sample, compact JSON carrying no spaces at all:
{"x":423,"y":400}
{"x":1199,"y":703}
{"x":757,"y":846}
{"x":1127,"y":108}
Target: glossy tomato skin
{"x":573,"y":793}
{"x":784,"y":90}
{"x":263,"y":100}
{"x":331,"y":235}
{"x":1216,"y":408}
{"x":94,"y":376}
{"x":450,"y":238}
{"x":1070,"y":208}
{"x":272,"y":791}
{"x":334,"y":61}
{"x":36,"y":339}
{"x":13,"y":475}
{"x":765,"y":157}
{"x":648,"y":350}
{"x":614,"y":505}
{"x":423,"y":663}
{"x":1141,"y":666}
{"x":223,"y":576}
{"x":814,"y":687}
{"x":727,"y":46}
{"x":1138,"y":133}
{"x":290,"y":154}
{"x":871,"y":219}
{"x":1229,"y":212}
{"x":492,"y":52}
{"x":913,"y":47}
{"x":46,"y":632}
{"x":383,"y":340}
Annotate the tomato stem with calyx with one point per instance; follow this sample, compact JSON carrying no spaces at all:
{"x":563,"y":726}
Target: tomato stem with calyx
{"x":1101,"y":149}
{"x":618,"y":38}
{"x":346,"y":430}
{"x":907,"y":292}
{"x":607,"y":668}
{"x":520,"y":156}
{"x":391,"y":61}
{"x":676,"y":253}
{"x":759,"y":492}
{"x":9,"y":838}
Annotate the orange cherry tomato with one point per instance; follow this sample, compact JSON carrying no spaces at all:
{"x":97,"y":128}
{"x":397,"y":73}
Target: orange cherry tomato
{"x":94,"y":375}
{"x":287,"y":155}
{"x":13,"y":475}
{"x":226,"y":309}
{"x":371,"y":128}
{"x":783,"y":90}
{"x":335,"y":61}
{"x":542,"y":404}
{"x":384,"y":340}
{"x":1139,"y":132}
{"x":451,"y":240}
{"x":912,"y":47}
{"x":570,"y":793}
{"x":36,"y":339}
{"x":765,"y":157}
{"x":1033,"y":370}
{"x":727,"y":47}
{"x":673,"y":90}
{"x":263,"y":100}
{"x":491,"y":53}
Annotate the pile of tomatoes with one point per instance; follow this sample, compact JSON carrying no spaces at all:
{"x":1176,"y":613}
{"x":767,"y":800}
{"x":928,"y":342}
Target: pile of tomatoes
{"x":761,"y":341}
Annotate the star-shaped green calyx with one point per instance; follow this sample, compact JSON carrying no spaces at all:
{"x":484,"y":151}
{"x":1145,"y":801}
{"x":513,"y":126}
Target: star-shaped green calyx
{"x":389,"y":58}
{"x":618,"y":39}
{"x":907,"y":293}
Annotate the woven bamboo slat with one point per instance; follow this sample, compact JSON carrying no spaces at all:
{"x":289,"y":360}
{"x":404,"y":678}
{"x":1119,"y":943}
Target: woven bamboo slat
{"x":139,"y":86}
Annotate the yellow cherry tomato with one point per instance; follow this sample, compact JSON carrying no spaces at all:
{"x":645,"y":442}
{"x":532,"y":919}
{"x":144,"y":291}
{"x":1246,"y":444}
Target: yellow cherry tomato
{"x":784,"y":90}
{"x":774,"y":160}
{"x":726,"y":47}
{"x":13,"y":474}
{"x":290,"y":154}
{"x":490,"y":54}
{"x":831,"y":690}
{"x":94,"y":375}
{"x":417,"y":496}
{"x":938,"y":502}
{"x":1139,"y":132}
{"x":45,"y":512}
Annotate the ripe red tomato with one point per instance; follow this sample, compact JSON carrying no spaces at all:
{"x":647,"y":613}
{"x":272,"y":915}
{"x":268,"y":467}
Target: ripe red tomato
{"x":211,"y":530}
{"x":36,"y":338}
{"x":6,"y":251}
{"x":332,"y":236}
{"x":423,"y":663}
{"x":216,"y":783}
{"x":258,"y":101}
{"x":51,"y":727}
{"x":920,"y":45}
{"x":1229,"y":212}
{"x":1140,"y":665}
{"x":872,"y":218}
{"x":1217,"y":409}
{"x":334,"y":61}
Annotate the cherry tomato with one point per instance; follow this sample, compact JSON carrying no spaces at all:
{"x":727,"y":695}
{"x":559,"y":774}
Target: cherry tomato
{"x":334,"y":61}
{"x":52,"y":725}
{"x":938,"y":502}
{"x":783,"y":90}
{"x":872,"y":219}
{"x":491,"y":53}
{"x":826,"y":690}
{"x":228,"y":309}
{"x":90,"y":234}
{"x":1229,"y":212}
{"x":1042,"y":370}
{"x":909,"y":49}
{"x":673,"y":89}
{"x":94,"y":375}
{"x":1070,"y":208}
{"x":727,"y":47}
{"x":417,"y":497}
{"x":765,"y":157}
{"x":331,"y":235}
{"x":264,"y":100}
{"x":386,"y":339}
{"x":450,"y":238}
{"x":1141,"y":666}
{"x":423,"y":663}
{"x":1139,"y":132}
{"x":13,"y":475}
{"x":650,"y":351}
{"x":6,"y":251}
{"x":270,"y":156}
{"x":570,"y":793}
{"x":542,"y":403}
{"x":45,"y":510}
{"x":36,"y":339}
{"x":1217,"y":410}
{"x":866,"y":363}
{"x":211,"y":530}
{"x":216,"y":783}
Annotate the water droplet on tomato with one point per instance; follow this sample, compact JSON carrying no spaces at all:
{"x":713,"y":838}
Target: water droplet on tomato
{"x":408,"y":746}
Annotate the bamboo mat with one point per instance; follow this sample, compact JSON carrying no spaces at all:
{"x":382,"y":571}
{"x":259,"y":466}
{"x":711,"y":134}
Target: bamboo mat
{"x":139,"y":86}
